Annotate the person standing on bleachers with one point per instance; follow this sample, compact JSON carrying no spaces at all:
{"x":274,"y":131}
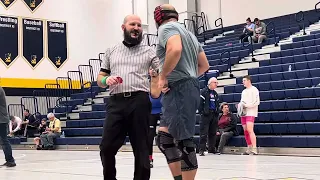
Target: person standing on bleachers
{"x":183,"y":61}
{"x":247,"y":31}
{"x":4,"y":125}
{"x":209,"y":110}
{"x":249,"y":103}
{"x":155,"y":98}
{"x":259,"y":31}
{"x":125,"y":69}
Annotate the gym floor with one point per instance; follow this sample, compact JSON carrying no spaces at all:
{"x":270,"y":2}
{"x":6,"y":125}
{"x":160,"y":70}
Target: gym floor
{"x":86,"y":165}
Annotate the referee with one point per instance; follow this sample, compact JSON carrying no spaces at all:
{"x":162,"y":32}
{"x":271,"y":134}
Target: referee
{"x":125,"y":70}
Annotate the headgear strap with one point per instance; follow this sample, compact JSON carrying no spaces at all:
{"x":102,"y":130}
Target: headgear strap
{"x":161,"y":15}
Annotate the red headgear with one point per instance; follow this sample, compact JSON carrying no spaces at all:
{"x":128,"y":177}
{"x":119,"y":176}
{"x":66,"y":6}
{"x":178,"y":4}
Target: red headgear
{"x":161,"y":15}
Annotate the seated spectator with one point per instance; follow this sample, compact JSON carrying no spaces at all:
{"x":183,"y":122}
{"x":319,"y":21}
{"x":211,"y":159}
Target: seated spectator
{"x":41,"y":129}
{"x":51,"y":133}
{"x":247,"y":31}
{"x":259,"y":31}
{"x":30,"y":123}
{"x":15,"y":126}
{"x":227,"y":127}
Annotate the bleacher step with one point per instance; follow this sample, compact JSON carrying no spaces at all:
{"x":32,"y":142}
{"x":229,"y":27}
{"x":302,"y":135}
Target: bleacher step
{"x":63,"y":123}
{"x":83,"y":108}
{"x":224,"y":82}
{"x":267,"y":50}
{"x":257,"y":57}
{"x":98,"y":100}
{"x":226,"y":75}
{"x":244,"y":66}
{"x":63,"y":118}
{"x":74,"y":115}
{"x":220,"y":90}
{"x":103,"y":94}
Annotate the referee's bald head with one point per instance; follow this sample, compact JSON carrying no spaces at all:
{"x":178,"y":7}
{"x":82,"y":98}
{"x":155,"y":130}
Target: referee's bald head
{"x":132,"y":29}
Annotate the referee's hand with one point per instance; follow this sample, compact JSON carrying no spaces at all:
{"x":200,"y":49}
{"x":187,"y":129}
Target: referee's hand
{"x":112,"y":80}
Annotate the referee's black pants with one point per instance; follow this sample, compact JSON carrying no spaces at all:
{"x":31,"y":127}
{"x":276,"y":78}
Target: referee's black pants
{"x":126,"y":115}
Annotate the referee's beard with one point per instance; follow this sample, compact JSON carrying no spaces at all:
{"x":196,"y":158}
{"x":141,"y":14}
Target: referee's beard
{"x":129,"y":39}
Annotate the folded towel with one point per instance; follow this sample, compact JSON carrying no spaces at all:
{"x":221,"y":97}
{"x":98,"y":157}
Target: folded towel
{"x":241,"y":109}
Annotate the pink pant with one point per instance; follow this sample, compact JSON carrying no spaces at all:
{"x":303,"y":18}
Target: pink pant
{"x":245,"y":119}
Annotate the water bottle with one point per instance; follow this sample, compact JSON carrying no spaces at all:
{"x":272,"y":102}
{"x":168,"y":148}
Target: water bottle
{"x":62,"y":135}
{"x":290,"y":68}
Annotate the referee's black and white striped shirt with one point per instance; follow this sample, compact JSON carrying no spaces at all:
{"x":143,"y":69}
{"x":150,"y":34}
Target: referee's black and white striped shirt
{"x":132,"y":65}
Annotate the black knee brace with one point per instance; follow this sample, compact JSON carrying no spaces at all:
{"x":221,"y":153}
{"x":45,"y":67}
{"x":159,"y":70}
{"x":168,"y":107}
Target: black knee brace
{"x":188,"y":159}
{"x":167,"y":146}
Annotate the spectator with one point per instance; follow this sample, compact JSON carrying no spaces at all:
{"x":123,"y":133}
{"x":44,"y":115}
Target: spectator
{"x":51,"y":133}
{"x":259,"y":31}
{"x":209,"y":110}
{"x":15,"y":126}
{"x":41,"y":129}
{"x":247,"y":31}
{"x":227,"y":127}
{"x":155,"y":98}
{"x":30,"y":123}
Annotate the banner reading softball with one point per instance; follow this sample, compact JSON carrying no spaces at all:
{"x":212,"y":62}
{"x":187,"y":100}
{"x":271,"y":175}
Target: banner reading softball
{"x":32,"y":41}
{"x":57,"y":43}
{"x":9,"y":47}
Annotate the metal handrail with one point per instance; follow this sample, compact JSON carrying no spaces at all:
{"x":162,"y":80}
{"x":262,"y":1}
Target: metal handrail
{"x":148,"y":35}
{"x":251,"y":46}
{"x":101,"y":56}
{"x":316,"y":7}
{"x":227,"y":60}
{"x":204,"y":21}
{"x":273,"y":30}
{"x":221,"y":24}
{"x":193,"y":24}
{"x":199,"y":27}
{"x":301,"y":19}
{"x":302,"y":16}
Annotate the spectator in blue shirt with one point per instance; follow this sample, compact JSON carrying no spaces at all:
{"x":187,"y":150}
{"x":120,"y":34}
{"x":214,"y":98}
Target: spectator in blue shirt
{"x":155,"y":98}
{"x":247,"y":31}
{"x":209,"y":110}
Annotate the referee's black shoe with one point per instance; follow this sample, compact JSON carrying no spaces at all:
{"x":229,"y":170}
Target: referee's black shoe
{"x":9,"y":164}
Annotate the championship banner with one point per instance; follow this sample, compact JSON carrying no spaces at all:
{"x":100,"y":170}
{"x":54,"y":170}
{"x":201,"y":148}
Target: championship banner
{"x":32,"y":41}
{"x":9,"y":34}
{"x":57,"y":43}
{"x":33,"y":4}
{"x":7,"y":3}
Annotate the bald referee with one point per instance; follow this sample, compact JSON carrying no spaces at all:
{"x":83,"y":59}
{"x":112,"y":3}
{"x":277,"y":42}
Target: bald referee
{"x":125,"y":69}
{"x":183,"y":60}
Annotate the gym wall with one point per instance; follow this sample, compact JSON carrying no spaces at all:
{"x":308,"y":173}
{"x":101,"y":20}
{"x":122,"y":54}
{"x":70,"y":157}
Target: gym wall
{"x":92,"y":26}
{"x":236,"y":12}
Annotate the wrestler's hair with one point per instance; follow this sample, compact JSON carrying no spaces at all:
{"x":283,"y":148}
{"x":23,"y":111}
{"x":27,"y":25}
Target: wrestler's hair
{"x":247,"y":77}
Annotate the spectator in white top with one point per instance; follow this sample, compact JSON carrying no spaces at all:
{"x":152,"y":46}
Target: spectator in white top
{"x":250,"y":101}
{"x":14,"y":125}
